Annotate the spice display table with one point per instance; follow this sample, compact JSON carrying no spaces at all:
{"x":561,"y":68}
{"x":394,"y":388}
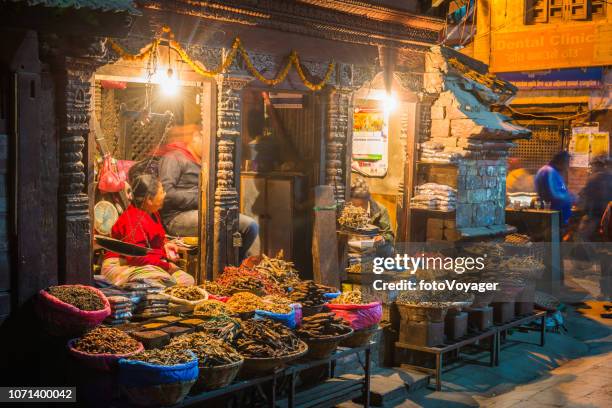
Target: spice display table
{"x":326,"y":394}
{"x":441,"y":350}
{"x":521,"y":321}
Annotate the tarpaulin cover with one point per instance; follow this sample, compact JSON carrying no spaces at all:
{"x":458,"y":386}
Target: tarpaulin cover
{"x":358,"y":316}
{"x":133,"y":373}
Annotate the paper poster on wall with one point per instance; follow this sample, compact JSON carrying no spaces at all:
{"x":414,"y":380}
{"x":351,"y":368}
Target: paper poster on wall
{"x":600,"y":144}
{"x":586,"y":143}
{"x":370,"y":143}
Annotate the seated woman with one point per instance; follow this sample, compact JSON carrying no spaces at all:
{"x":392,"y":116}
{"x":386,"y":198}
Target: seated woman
{"x":379,"y":216}
{"x":140,"y":224}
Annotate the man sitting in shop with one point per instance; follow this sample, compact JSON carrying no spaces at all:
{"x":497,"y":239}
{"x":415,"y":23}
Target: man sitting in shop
{"x":179,"y":172}
{"x":551,"y":188}
{"x":379,"y":216}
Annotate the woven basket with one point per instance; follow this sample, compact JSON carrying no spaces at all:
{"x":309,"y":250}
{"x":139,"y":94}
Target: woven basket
{"x":360,"y":337}
{"x":324,"y":347}
{"x":256,"y":366}
{"x":158,"y":395}
{"x":211,"y":378}
{"x":417,"y":313}
{"x":103,"y":362}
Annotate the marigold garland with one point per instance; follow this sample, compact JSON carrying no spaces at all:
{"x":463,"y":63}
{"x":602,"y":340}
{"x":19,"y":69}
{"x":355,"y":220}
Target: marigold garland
{"x":237,"y":47}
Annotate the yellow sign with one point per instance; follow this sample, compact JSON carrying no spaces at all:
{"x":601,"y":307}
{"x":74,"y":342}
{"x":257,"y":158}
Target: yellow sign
{"x":552,"y":47}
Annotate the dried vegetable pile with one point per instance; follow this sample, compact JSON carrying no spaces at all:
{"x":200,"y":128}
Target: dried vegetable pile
{"x":521,"y":267}
{"x":310,"y":294}
{"x":210,"y":308}
{"x":81,"y":298}
{"x":106,"y":340}
{"x":278,"y":270}
{"x":276,"y":304}
{"x":353,"y":297}
{"x":215,"y":288}
{"x":353,"y":217}
{"x":244,"y":279}
{"x":322,"y":325}
{"x":266,"y":339}
{"x":244,"y":302}
{"x":211,"y":352}
{"x":439,"y":299}
{"x":190,"y":293}
{"x":164,"y":357}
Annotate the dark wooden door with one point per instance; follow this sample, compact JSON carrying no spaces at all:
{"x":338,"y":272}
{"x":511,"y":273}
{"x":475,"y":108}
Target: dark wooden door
{"x":5,"y":196}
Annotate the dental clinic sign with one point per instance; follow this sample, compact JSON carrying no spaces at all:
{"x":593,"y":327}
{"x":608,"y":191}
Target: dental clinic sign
{"x":555,"y":46}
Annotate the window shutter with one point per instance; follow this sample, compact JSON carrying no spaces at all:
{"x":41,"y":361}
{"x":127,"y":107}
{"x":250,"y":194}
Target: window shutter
{"x":555,"y":9}
{"x":577,"y":9}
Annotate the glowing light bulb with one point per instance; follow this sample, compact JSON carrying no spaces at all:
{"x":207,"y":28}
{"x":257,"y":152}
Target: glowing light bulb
{"x":389,"y":103}
{"x":168,"y":83}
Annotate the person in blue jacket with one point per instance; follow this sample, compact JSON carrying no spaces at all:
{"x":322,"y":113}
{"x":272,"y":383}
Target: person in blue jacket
{"x":550,"y":185}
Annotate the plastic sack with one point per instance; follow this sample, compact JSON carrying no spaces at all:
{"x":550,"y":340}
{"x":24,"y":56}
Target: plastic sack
{"x":287,"y":319}
{"x":63,"y":319}
{"x":113,"y":175}
{"x":223,"y":299}
{"x":358,"y":316}
{"x":331,"y":295}
{"x":183,"y":305}
{"x":102,"y":361}
{"x":134,"y":373}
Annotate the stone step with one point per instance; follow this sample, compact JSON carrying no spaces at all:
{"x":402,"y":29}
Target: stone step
{"x":391,"y":384}
{"x":414,"y":380}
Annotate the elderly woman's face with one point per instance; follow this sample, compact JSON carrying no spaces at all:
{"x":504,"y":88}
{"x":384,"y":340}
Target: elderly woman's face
{"x":360,"y":202}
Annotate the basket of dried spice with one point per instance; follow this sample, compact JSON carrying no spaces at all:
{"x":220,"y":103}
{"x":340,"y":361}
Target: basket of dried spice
{"x":323,"y":332}
{"x":70,"y":310}
{"x":102,"y":347}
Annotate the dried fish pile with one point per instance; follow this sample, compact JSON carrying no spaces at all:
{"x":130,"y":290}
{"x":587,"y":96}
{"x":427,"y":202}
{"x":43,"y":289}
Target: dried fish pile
{"x":223,"y":327}
{"x":310,"y":294}
{"x":106,"y":340}
{"x":163,"y":357}
{"x":522,"y":263}
{"x":279,"y":270}
{"x":81,"y":298}
{"x":211,"y":352}
{"x":517,"y":239}
{"x":275,"y":307}
{"x":215,"y":288}
{"x":190,"y":293}
{"x":353,"y":297}
{"x":244,"y":302}
{"x":353,"y":217}
{"x":210,"y":308}
{"x":322,"y":325}
{"x":266,"y":339}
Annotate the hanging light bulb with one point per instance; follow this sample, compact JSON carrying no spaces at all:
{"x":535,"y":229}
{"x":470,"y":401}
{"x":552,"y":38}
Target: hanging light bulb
{"x":168,"y":83}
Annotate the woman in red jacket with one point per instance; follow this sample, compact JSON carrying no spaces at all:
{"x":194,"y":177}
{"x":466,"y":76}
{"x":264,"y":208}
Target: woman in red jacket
{"x":141,"y":225}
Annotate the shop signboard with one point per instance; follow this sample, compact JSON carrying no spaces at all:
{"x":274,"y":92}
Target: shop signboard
{"x":572,"y":78}
{"x":564,"y":46}
{"x":370,"y":143}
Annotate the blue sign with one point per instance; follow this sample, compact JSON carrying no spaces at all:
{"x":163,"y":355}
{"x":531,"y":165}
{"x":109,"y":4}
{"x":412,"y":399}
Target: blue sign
{"x":570,"y":78}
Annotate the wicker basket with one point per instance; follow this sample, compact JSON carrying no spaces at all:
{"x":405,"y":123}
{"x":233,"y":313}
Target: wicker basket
{"x":256,"y":366}
{"x":102,"y":362}
{"x":211,"y":378}
{"x":158,"y":395}
{"x":323,"y":347}
{"x":360,"y":337}
{"x":311,"y":310}
{"x":418,"y":313}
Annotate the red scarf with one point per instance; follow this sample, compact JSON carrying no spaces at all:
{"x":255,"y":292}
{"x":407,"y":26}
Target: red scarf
{"x":176,"y":146}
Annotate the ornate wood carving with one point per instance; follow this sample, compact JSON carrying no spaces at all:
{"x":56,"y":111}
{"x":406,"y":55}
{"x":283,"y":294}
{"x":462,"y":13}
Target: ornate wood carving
{"x":339,"y":107}
{"x":229,"y":87}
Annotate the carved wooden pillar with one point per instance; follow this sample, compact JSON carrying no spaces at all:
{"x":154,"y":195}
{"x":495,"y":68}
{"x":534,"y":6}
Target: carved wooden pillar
{"x":229,"y":101}
{"x":338,"y":121}
{"x":74,"y":95}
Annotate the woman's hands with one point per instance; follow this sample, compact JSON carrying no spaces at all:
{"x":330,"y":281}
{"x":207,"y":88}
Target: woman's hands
{"x":171,"y":250}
